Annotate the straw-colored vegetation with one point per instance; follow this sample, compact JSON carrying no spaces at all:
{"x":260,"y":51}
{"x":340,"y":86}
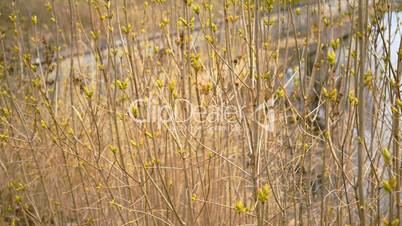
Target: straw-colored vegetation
{"x":199,"y":112}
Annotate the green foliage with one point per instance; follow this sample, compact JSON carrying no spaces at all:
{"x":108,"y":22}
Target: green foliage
{"x":263,"y":193}
{"x":331,"y":57}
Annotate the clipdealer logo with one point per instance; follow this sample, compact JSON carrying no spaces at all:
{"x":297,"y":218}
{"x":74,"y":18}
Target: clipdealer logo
{"x":149,"y":110}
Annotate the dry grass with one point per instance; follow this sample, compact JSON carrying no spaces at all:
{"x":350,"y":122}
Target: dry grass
{"x":248,"y":140}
